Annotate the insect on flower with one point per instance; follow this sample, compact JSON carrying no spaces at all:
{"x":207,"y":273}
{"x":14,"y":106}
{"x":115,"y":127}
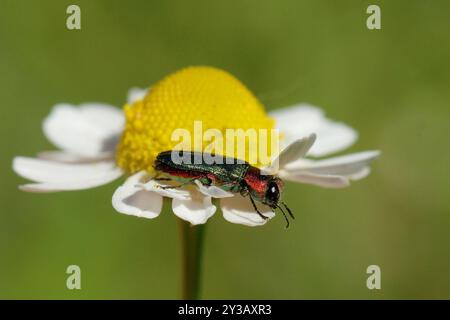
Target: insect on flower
{"x":227,"y":174}
{"x":98,"y":143}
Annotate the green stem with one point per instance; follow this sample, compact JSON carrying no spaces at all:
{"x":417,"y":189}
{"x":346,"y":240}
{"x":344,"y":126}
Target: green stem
{"x":192,"y":243}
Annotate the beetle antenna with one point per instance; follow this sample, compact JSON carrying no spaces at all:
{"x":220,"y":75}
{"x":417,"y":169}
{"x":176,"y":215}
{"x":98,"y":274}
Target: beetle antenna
{"x":285,"y":217}
{"x":288,"y":210}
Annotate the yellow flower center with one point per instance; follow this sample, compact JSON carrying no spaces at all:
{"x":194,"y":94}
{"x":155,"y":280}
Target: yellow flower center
{"x":205,"y":94}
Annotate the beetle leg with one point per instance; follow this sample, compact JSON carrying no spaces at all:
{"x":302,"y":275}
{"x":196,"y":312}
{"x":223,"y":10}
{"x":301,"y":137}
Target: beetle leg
{"x":210,"y":179}
{"x":179,"y":186}
{"x":256,"y":209}
{"x":158,"y":177}
{"x":244,"y":190}
{"x":207,"y":181}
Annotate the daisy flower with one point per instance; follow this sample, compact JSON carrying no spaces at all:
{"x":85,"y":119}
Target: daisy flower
{"x":98,"y":143}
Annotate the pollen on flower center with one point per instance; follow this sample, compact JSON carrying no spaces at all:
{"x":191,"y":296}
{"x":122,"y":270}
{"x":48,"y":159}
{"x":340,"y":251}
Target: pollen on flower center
{"x":205,"y":94}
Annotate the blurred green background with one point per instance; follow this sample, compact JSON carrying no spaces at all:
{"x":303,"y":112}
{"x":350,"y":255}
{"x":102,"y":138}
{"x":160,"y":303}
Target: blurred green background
{"x":392,"y":85}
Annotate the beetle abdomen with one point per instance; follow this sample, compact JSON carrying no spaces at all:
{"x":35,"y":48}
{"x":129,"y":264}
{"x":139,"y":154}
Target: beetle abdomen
{"x":192,"y":164}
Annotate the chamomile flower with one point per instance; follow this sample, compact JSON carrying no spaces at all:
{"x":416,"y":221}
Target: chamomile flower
{"x":99,"y":143}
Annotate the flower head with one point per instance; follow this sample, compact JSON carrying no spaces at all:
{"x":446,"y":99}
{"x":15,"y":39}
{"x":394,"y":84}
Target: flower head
{"x":98,"y":143}
{"x":205,"y":94}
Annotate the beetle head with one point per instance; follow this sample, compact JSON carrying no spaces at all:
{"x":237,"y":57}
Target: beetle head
{"x":267,"y":190}
{"x":272,"y":193}
{"x":272,"y":198}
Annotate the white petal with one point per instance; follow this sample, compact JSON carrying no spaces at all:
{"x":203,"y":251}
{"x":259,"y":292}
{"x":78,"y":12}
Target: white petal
{"x":361,"y":174}
{"x":301,"y":120}
{"x":240,"y":210}
{"x":46,"y":187}
{"x":326,"y":181}
{"x":105,"y":116}
{"x":295,"y":151}
{"x":213,"y":191}
{"x":41,"y":188}
{"x":135,"y":94}
{"x":131,"y":199}
{"x":196,"y":210}
{"x":353,"y":166}
{"x":59,"y":156}
{"x":61,"y":176}
{"x":175,"y":193}
{"x":88,"y":130}
{"x":66,"y":157}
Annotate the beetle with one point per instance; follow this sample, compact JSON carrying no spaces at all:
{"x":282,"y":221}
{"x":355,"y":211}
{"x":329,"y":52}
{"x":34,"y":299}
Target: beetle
{"x":229,"y":174}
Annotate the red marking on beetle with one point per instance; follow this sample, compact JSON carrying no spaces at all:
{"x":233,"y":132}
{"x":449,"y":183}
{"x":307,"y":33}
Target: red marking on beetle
{"x":256,"y":181}
{"x":181,"y":173}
